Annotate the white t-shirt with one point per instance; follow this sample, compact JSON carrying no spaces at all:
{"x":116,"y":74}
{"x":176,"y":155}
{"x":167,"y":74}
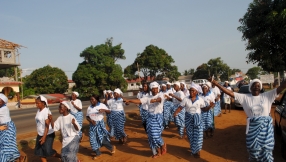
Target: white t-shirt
{"x":143,"y":94}
{"x":208,"y":98}
{"x":216,"y":92}
{"x":226,"y":95}
{"x":116,"y":105}
{"x":93,"y":112}
{"x":64,"y":123}
{"x":4,"y":115}
{"x":153,"y":108}
{"x":179,"y":94}
{"x":40,"y":118}
{"x":78,"y":103}
{"x":193,"y":107}
{"x":255,"y":106}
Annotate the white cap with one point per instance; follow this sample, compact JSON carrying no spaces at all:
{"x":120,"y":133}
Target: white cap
{"x":117,"y":90}
{"x":76,"y":93}
{"x":154,"y":85}
{"x":42,"y":98}
{"x":66,"y":104}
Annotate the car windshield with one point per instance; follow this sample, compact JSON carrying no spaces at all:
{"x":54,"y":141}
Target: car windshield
{"x":244,"y":89}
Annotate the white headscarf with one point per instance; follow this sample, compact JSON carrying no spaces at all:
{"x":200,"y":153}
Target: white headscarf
{"x":66,"y":104}
{"x":209,"y":84}
{"x":154,"y":85}
{"x":140,"y":86}
{"x":177,"y":83}
{"x":109,"y":91}
{"x":117,"y":90}
{"x":76,"y":93}
{"x":163,"y":85}
{"x":3,"y":98}
{"x":205,"y":85}
{"x":253,"y":81}
{"x":42,"y":98}
{"x":183,"y":84}
{"x":168,"y":83}
{"x":196,"y":87}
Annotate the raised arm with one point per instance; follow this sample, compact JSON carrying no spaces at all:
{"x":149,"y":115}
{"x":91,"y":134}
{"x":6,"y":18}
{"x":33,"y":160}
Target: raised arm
{"x":281,"y":87}
{"x":225,"y":90}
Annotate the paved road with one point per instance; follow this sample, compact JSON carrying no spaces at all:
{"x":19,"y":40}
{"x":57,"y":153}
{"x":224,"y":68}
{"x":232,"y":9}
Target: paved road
{"x":24,"y":119}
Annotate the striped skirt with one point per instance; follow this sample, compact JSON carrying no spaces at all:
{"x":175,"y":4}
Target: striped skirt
{"x":108,"y":120}
{"x":8,"y":147}
{"x":79,"y":118}
{"x":260,"y":139}
{"x":180,"y":119}
{"x":207,"y":119}
{"x":194,"y":129}
{"x":96,"y":134}
{"x":217,"y":108}
{"x":117,"y":124}
{"x":154,"y":130}
{"x":168,"y":116}
{"x":143,"y":113}
{"x":70,"y":151}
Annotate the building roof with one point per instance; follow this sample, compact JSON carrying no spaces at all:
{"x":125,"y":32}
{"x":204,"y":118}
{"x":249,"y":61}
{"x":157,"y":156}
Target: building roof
{"x":10,"y":83}
{"x":139,"y":80}
{"x":9,"y":45}
{"x":185,"y":77}
{"x":70,"y":81}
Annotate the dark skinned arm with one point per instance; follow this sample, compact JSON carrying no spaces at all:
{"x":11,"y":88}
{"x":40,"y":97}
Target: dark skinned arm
{"x":43,"y":139}
{"x":207,"y":108}
{"x":179,"y":109}
{"x":90,"y":120}
{"x":225,"y":90}
{"x":281,"y":87}
{"x":74,"y":124}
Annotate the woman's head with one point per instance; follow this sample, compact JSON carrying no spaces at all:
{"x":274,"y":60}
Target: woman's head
{"x":41,"y":102}
{"x":182,"y":86}
{"x":75,"y":95}
{"x":3,"y":99}
{"x":163,"y":87}
{"x":176,"y":86}
{"x":145,"y":87}
{"x":117,"y":93}
{"x":64,"y":107}
{"x":205,"y":89}
{"x":255,"y":86}
{"x":94,"y":99}
{"x":154,"y":88}
{"x":193,"y":92}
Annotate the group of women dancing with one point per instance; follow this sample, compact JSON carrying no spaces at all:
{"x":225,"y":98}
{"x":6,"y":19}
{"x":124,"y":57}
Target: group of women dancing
{"x":192,"y":109}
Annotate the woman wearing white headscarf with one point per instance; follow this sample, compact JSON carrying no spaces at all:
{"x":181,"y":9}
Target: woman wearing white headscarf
{"x":259,"y":129}
{"x":8,"y":145}
{"x":184,"y":88}
{"x":207,"y":114}
{"x":143,"y":107}
{"x":69,"y":128}
{"x":76,"y":110}
{"x":194,"y":126}
{"x":154,"y":125}
{"x":46,"y":134}
{"x":168,"y":105}
{"x":177,"y":98}
{"x":117,"y":116}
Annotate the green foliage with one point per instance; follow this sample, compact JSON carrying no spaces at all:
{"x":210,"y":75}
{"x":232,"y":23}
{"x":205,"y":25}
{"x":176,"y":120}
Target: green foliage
{"x":47,"y":80}
{"x":98,"y":71}
{"x":153,"y":62}
{"x":253,"y":72}
{"x":189,"y":72}
{"x":214,"y":67}
{"x":264,"y":29}
{"x":8,"y":72}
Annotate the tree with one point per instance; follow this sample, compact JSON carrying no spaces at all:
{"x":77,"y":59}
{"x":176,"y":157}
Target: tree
{"x":263,"y":29}
{"x":47,"y":80}
{"x":98,"y":71}
{"x":214,"y":67}
{"x":189,"y":72}
{"x":153,"y":61}
{"x":254,"y":72}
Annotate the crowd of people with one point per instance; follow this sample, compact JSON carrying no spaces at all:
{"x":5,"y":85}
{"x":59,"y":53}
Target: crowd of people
{"x":191,"y":108}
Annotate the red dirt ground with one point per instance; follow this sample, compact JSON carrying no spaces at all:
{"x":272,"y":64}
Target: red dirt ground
{"x":228,"y":143}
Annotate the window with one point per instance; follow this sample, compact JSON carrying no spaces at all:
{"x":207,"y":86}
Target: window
{"x":132,"y":84}
{"x":7,"y":54}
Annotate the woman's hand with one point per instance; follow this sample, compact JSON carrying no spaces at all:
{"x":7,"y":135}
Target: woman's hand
{"x":50,"y":117}
{"x":93,"y":122}
{"x":73,"y":121}
{"x":42,"y":140}
{"x":3,"y":127}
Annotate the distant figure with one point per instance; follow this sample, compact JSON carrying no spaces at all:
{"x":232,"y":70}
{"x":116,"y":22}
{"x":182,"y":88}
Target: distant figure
{"x":226,"y":97}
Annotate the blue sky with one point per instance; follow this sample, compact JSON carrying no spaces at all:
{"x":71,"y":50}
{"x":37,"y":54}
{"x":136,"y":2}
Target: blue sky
{"x":192,"y":32}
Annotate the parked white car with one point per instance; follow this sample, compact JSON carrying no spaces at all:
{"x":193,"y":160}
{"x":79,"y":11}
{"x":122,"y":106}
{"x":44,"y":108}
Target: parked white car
{"x":200,"y":81}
